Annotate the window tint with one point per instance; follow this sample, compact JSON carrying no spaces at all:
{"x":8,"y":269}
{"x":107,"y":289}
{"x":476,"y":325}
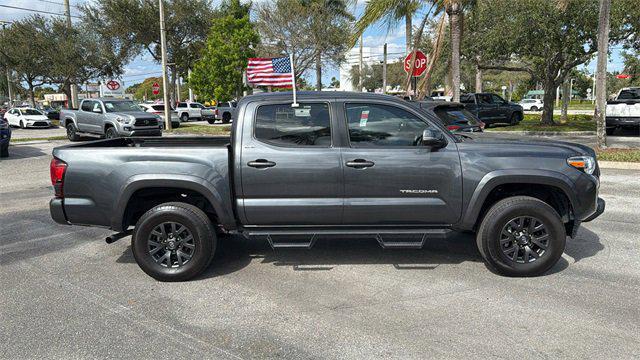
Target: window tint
{"x":158,"y":107}
{"x":383,"y":125}
{"x":31,"y":112}
{"x":484,"y":98}
{"x":467,"y":99}
{"x":306,"y":125}
{"x":182,"y":104}
{"x":630,"y":94}
{"x":496,"y":99}
{"x":87,"y":105}
{"x":456,"y":116}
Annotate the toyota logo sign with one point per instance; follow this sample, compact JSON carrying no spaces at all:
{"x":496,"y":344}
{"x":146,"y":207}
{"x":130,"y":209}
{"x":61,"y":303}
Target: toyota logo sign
{"x":113,"y":85}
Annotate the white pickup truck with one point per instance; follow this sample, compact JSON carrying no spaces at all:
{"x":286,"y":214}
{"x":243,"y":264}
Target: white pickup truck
{"x":194,"y":111}
{"x":624,"y":111}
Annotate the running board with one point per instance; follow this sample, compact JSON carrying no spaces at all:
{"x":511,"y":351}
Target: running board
{"x":292,"y":245}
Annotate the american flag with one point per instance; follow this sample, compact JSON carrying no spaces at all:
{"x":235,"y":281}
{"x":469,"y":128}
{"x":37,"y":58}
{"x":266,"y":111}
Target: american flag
{"x":269,"y":72}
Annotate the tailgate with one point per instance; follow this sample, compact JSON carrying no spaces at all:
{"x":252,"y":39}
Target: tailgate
{"x":623,"y":109}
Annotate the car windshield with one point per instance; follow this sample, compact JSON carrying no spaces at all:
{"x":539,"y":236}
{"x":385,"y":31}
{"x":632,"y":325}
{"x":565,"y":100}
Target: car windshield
{"x":456,"y":116}
{"x":30,"y":112}
{"x":121,"y":106}
{"x":629,"y":94}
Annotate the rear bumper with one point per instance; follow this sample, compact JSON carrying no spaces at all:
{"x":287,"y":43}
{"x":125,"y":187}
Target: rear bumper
{"x":56,"y":207}
{"x":615,"y":121}
{"x":599,"y":210}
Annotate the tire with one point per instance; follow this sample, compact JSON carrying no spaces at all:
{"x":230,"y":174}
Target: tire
{"x":533,"y":108}
{"x":111,"y":133}
{"x":184,"y":117}
{"x":211,"y":121}
{"x":4,"y":151}
{"x":72,"y":133}
{"x":515,"y":118}
{"x":175,"y":125}
{"x":610,"y":131}
{"x":499,"y":219}
{"x":198,"y":226}
{"x":21,"y":125}
{"x":226,"y":118}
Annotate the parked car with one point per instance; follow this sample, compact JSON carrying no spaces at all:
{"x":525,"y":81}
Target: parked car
{"x":225,"y":110}
{"x":440,"y":95}
{"x":110,"y":118}
{"x":492,"y":109}
{"x":51,"y":113}
{"x":194,"y":111}
{"x":338,"y":164}
{"x":158,"y":109}
{"x":624,"y":110}
{"x":26,"y":117}
{"x":5,"y":137}
{"x":531,"y":104}
{"x":453,"y":115}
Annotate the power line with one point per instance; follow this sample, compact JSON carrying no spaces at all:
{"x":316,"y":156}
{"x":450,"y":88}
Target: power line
{"x":58,"y":3}
{"x":37,"y":11}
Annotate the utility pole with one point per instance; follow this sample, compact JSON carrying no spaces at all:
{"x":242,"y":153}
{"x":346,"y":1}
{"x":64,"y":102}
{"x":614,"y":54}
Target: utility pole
{"x":360,"y":66}
{"x":190,"y":89}
{"x":9,"y":92}
{"x":384,"y":69}
{"x":165,"y":80}
{"x":177,"y":87}
{"x":601,"y":72}
{"x":73,"y":88}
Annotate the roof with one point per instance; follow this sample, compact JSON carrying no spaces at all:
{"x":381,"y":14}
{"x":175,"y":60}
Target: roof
{"x":435,"y":104}
{"x":301,"y":95}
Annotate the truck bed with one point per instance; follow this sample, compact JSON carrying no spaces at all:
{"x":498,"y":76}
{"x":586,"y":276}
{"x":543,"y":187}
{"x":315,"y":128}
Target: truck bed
{"x":164,"y":142}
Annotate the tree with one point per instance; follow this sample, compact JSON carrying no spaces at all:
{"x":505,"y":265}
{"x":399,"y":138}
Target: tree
{"x":231,"y":41}
{"x":541,"y":38}
{"x":21,"y":49}
{"x":335,"y":83}
{"x":601,"y":71}
{"x":132,"y":25}
{"x":390,"y":12}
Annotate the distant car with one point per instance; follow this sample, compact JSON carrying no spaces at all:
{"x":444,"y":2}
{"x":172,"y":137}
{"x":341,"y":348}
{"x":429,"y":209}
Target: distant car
{"x":224,"y":111}
{"x":492,"y":109}
{"x":27,"y":118}
{"x":5,"y":137}
{"x":453,"y":115}
{"x":440,"y":95}
{"x":51,"y":113}
{"x":624,"y":111}
{"x":158,"y":109}
{"x":531,"y":104}
{"x":194,"y":111}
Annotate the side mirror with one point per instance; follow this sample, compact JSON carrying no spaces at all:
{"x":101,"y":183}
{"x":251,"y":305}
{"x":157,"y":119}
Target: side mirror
{"x":434,"y":139}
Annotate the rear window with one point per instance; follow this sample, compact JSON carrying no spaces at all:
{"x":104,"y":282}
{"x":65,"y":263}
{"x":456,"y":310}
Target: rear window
{"x":468,"y":99}
{"x":158,"y":107}
{"x":629,"y":94}
{"x":182,"y":104}
{"x":456,"y":116}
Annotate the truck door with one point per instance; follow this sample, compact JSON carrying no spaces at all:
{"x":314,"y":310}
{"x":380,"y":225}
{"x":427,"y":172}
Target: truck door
{"x":389,"y":177}
{"x":84,"y":118}
{"x":290,"y":171}
{"x":503,"y":110}
{"x":487,"y":110}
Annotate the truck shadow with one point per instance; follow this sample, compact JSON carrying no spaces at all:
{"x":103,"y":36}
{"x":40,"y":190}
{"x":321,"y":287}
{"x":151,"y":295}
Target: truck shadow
{"x":23,"y":152}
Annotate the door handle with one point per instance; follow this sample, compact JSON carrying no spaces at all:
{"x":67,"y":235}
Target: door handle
{"x":261,"y":163}
{"x":360,"y":163}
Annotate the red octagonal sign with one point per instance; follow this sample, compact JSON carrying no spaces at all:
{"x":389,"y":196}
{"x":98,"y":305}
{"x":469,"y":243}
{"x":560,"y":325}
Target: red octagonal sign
{"x":155,"y":88}
{"x":420,"y":63}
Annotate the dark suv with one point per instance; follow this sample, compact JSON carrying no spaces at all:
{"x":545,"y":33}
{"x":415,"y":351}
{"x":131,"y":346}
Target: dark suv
{"x":492,"y":109}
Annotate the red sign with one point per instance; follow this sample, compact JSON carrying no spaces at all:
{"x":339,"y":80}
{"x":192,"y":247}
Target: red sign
{"x":156,"y":88}
{"x":622,"y":76}
{"x":420,"y":63}
{"x":113,"y":85}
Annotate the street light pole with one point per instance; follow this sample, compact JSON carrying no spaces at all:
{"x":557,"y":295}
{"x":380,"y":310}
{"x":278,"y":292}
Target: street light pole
{"x":73,"y":87}
{"x":165,"y":80}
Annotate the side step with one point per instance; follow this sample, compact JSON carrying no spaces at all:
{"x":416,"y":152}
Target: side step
{"x":388,"y":243}
{"x":292,"y":245}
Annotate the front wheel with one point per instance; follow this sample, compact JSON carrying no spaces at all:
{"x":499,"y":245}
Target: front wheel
{"x":21,"y":125}
{"x":184,"y":117}
{"x":72,"y":133}
{"x":4,"y":151}
{"x":174,"y":242}
{"x":515,"y":118}
{"x":111,"y":133}
{"x":521,"y":236}
{"x":534,"y":108}
{"x":226,"y":118}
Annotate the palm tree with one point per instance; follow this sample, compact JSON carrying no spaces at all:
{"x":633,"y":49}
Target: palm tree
{"x":391,"y":11}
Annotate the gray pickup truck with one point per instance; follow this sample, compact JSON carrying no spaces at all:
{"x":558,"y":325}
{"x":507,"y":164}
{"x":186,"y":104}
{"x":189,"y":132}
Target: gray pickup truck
{"x":110,"y":118}
{"x":339,"y":164}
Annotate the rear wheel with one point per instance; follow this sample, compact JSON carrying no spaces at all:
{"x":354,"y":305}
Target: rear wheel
{"x":610,"y":131}
{"x":175,"y":125}
{"x":174,"y":242}
{"x":533,"y":108}
{"x":515,"y":118}
{"x":4,"y":151}
{"x":72,"y":133}
{"x":111,"y":133}
{"x":521,"y":236}
{"x":211,"y":121}
{"x":226,"y":118}
{"x":21,"y":124}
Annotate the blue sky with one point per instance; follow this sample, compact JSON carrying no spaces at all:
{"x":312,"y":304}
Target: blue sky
{"x":144,"y":66}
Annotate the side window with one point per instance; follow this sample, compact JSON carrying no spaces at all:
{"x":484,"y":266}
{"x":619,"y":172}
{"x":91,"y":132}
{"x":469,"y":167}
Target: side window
{"x":383,"y":125}
{"x":87,"y":105}
{"x":306,"y":125}
{"x":484,"y":99}
{"x":180,"y":105}
{"x":497,"y":99}
{"x":96,"y":106}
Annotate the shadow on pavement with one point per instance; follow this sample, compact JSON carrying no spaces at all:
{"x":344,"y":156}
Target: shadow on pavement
{"x":23,"y":152}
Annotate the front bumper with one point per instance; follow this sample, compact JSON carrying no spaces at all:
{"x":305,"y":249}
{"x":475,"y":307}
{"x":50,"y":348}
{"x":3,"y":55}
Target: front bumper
{"x":599,"y":210}
{"x":38,"y":124}
{"x":56,"y":208}
{"x":615,"y":121}
{"x":155,"y":131}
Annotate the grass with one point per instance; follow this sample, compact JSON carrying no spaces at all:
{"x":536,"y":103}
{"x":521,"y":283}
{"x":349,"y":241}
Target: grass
{"x":531,"y":122}
{"x":622,"y":155}
{"x":202,"y":129}
{"x":17,"y":140}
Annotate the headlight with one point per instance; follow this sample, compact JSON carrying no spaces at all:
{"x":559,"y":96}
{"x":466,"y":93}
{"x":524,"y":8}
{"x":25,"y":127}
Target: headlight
{"x":583,"y":163}
{"x":123,"y":120}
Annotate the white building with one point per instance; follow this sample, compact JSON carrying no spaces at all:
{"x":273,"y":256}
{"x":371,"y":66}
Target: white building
{"x":370,"y":55}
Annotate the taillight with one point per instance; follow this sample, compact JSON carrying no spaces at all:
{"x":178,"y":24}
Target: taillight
{"x":453,"y":127}
{"x":57,"y":168}
{"x":216,"y":112}
{"x":482,"y":125}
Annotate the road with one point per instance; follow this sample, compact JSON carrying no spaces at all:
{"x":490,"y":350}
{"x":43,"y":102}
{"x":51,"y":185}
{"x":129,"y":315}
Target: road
{"x":66,"y":294}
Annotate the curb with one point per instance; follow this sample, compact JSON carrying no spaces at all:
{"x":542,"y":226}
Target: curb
{"x":619,"y":165}
{"x":545,"y":133}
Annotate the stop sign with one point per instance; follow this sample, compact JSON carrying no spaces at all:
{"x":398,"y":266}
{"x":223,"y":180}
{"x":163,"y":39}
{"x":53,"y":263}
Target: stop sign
{"x":156,"y":88}
{"x":420,"y":63}
{"x":622,"y":76}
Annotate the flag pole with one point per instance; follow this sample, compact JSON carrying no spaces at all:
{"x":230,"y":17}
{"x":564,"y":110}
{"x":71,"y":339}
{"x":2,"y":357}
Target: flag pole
{"x":293,"y":82}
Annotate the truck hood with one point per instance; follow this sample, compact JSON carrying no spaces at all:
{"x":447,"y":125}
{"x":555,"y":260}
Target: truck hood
{"x":571,"y":149}
{"x":133,"y":114}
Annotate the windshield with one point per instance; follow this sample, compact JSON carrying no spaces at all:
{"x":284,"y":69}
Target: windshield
{"x":456,"y":116}
{"x":629,"y":94}
{"x":30,"y":112}
{"x":121,"y":106}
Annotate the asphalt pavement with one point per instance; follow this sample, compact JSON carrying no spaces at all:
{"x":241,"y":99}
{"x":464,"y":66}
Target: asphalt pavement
{"x":66,"y":294}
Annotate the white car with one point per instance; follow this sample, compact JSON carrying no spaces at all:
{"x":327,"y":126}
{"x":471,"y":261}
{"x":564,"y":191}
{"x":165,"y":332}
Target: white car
{"x":25,"y":117}
{"x":531,"y":104}
{"x":158,"y":109}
